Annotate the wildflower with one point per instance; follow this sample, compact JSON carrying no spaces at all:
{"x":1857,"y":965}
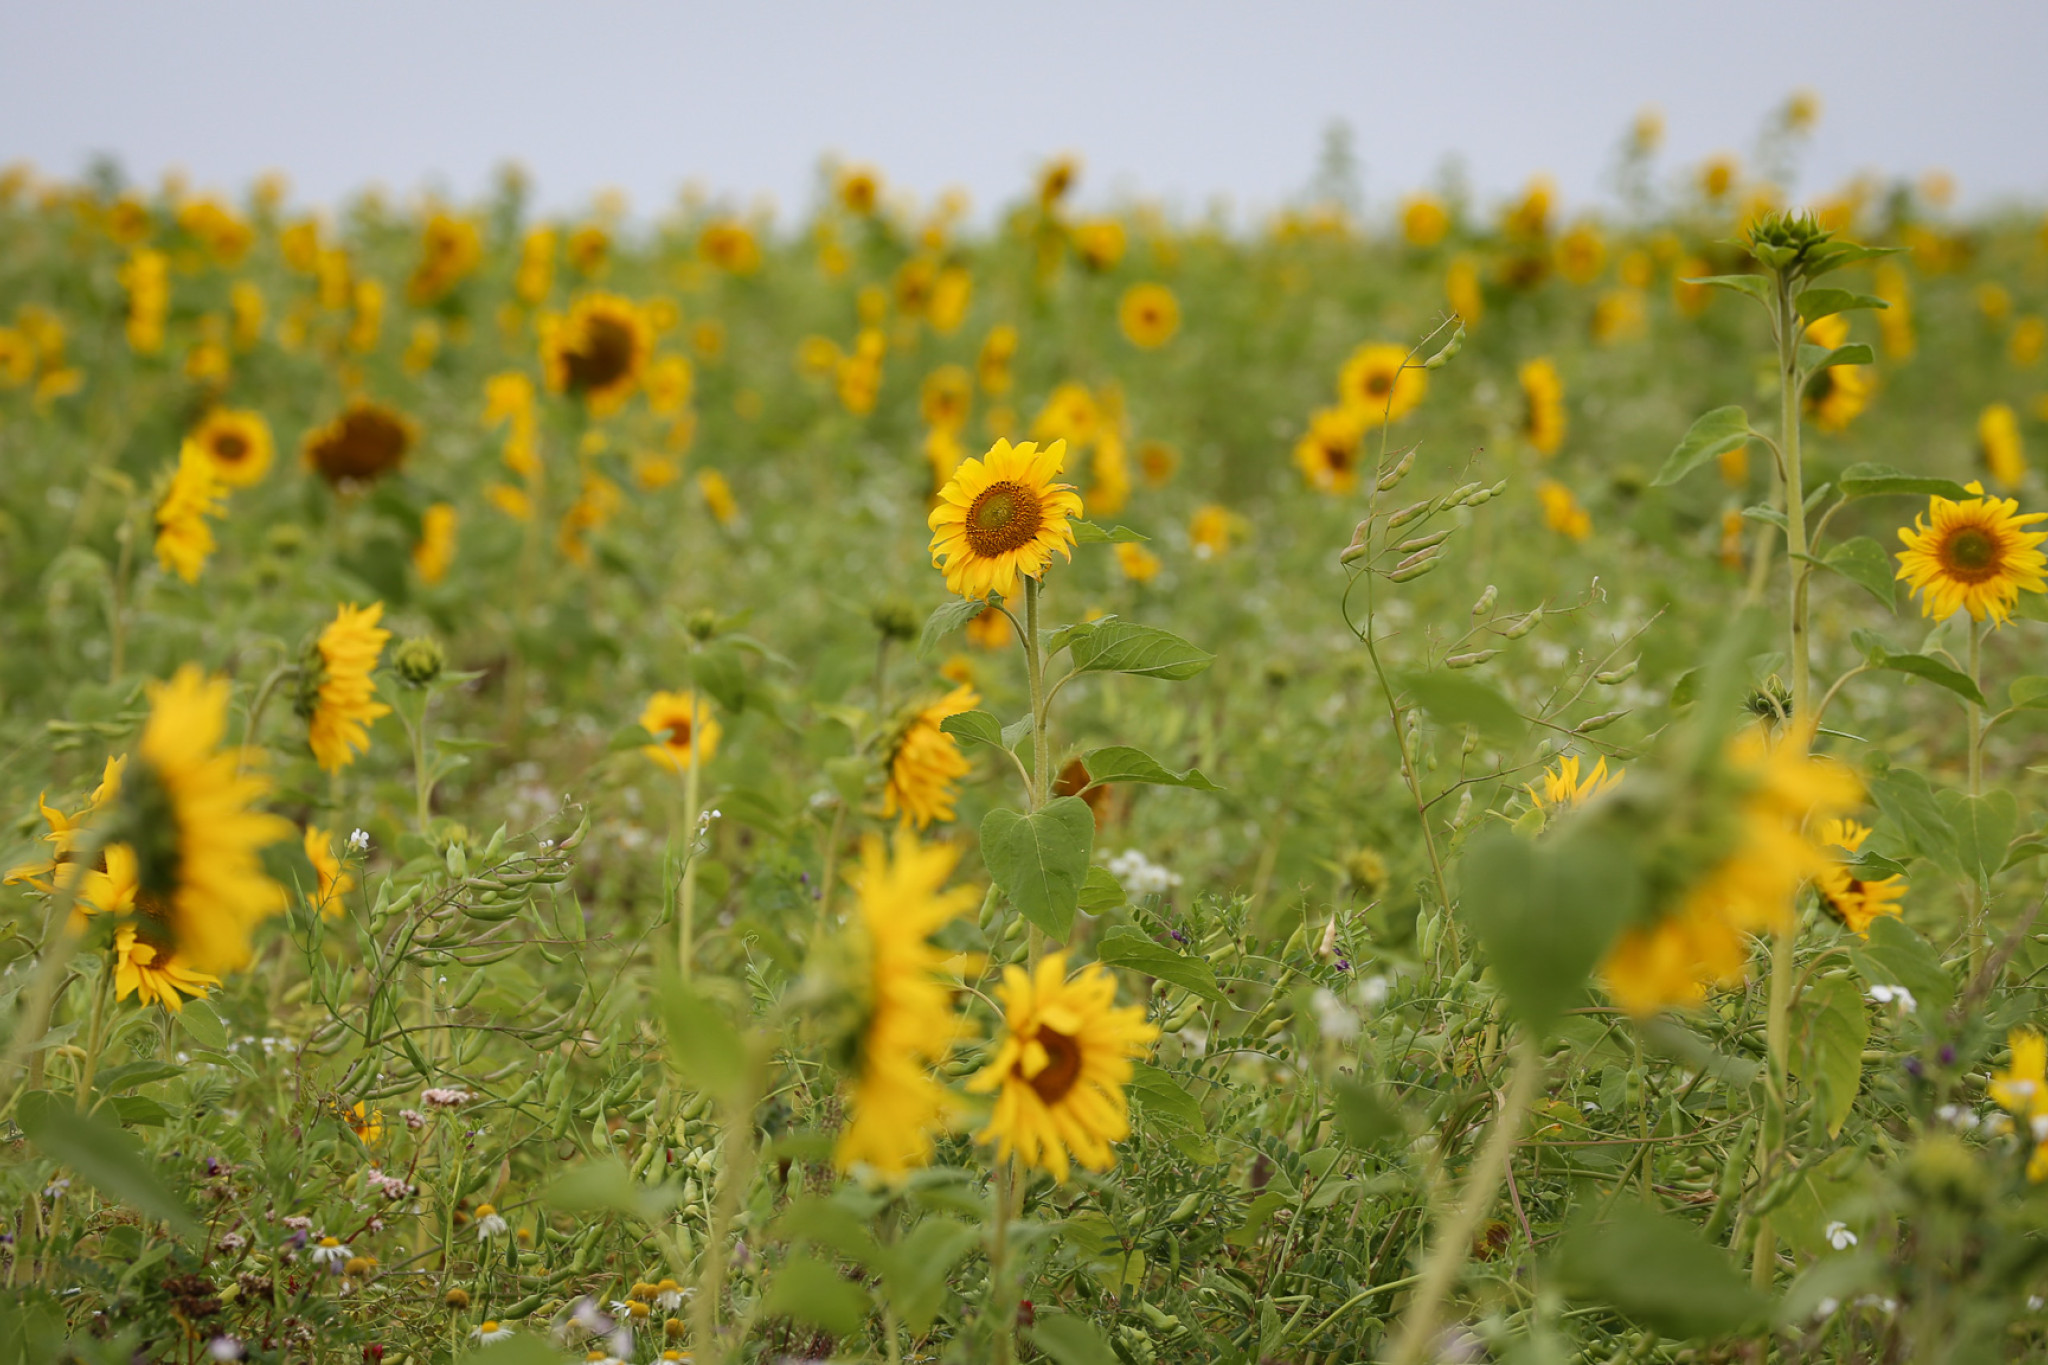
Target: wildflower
{"x":684,"y":728}
{"x":1378,"y":382}
{"x":1139,"y":564}
{"x":1139,"y":875}
{"x":1424,"y":220}
{"x":1972,"y":555}
{"x":1563,"y":788}
{"x":1061,"y":1066}
{"x":337,"y":696}
{"x":238,"y":444}
{"x":1149,"y":315}
{"x":366,"y":442}
{"x":490,"y":1331}
{"x":445,"y":1097}
{"x":1998,"y":442}
{"x":1328,"y":452}
{"x":1001,"y":518}
{"x":1334,"y":1019}
{"x":1543,"y":417}
{"x":731,"y":247}
{"x":668,"y":1296}
{"x":718,"y":497}
{"x":1851,"y":900}
{"x":329,"y":1251}
{"x":489,"y":1223}
{"x":184,"y":542}
{"x":1885,"y":994}
{"x":1210,"y":531}
{"x":1562,"y":512}
{"x":925,"y":762}
{"x":598,"y":352}
{"x":1099,"y":243}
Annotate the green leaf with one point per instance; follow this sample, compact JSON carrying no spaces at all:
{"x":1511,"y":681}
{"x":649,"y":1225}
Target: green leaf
{"x":1088,"y":533}
{"x":1121,"y":763}
{"x":1756,"y":286}
{"x":1769,"y":516}
{"x":203,"y":1025}
{"x":1833,"y":1028}
{"x":977,"y":726}
{"x":1829,"y":257}
{"x":1815,"y":304}
{"x":600,"y":1186}
{"x":105,"y":1156}
{"x":809,"y":1290}
{"x":1908,"y":802}
{"x":948,"y":617}
{"x":832,"y":1226}
{"x":1456,"y":699}
{"x":1365,"y":1119}
{"x":1068,"y":1340}
{"x":719,"y":671}
{"x":1879,"y":655}
{"x":1655,"y":1269}
{"x":2029,"y":693}
{"x":1983,"y":828}
{"x":1136,"y":951}
{"x":1040,"y":860}
{"x":1149,"y":652}
{"x":1547,"y":912}
{"x":1814,"y":358}
{"x":1864,"y":562}
{"x":630,"y":737}
{"x":1713,"y":434}
{"x":1101,"y":892}
{"x":703,"y":1044}
{"x":1879,"y":480}
{"x":1894,"y":955}
{"x":915,"y":1275}
{"x":1840,"y":1278}
{"x":1178,"y":1115}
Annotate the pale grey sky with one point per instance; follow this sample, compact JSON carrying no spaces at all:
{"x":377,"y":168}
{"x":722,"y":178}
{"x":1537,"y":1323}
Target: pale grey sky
{"x":1175,"y":99}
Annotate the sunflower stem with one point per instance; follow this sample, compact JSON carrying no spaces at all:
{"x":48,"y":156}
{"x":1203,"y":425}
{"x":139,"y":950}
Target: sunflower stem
{"x":1035,"y":664}
{"x":96,"y":1037}
{"x":692,"y":801}
{"x":1001,"y":1301}
{"x":1976,"y":712}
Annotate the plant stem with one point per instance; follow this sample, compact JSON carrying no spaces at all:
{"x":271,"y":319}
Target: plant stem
{"x":117,"y":608}
{"x":692,"y":799}
{"x":1799,"y":571}
{"x":1976,"y":712}
{"x":95,"y":1037}
{"x":1040,"y":749}
{"x":1002,"y":1304}
{"x":738,"y":1153}
{"x":1482,"y":1186}
{"x":257,"y":705}
{"x":830,"y":876}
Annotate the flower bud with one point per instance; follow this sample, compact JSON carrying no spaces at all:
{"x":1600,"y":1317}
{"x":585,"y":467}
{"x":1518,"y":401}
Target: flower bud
{"x":703,"y":623}
{"x":895,"y":619}
{"x":419,"y":661}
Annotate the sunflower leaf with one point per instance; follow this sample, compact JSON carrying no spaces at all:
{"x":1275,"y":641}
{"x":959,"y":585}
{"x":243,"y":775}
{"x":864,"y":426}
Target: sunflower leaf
{"x":1814,"y":304}
{"x":1134,"y":950}
{"x":1068,"y":1340}
{"x":1812,"y":358}
{"x":1041,"y":860}
{"x":1659,"y":1272}
{"x":950,"y":616}
{"x":1102,"y":892}
{"x":1088,"y":533}
{"x":1879,"y":655}
{"x":812,"y":1291}
{"x":1756,"y":286}
{"x":1834,"y":1026}
{"x":1983,"y":827}
{"x":1546,"y":913}
{"x":105,"y":1156}
{"x":1454,"y":699}
{"x":1712,"y":435}
{"x":2029,"y":693}
{"x":1878,"y":480}
{"x":1121,"y":763}
{"x":978,"y":726}
{"x":1864,"y":562}
{"x":1147,"y":651}
{"x":1894,"y":955}
{"x":1832,"y":256}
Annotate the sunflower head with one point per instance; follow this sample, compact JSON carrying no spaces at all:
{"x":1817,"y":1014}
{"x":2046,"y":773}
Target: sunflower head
{"x":366,"y":442}
{"x":685,"y":728}
{"x":1974,"y":555}
{"x":1149,"y":315}
{"x":599,"y":351}
{"x":1001,"y":517}
{"x":1378,"y":382}
{"x":238,"y":443}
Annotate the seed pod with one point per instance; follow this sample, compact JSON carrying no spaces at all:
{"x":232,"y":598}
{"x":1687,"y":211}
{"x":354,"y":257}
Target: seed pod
{"x":1352,"y":553}
{"x":1480,"y":499}
{"x":1015,"y":928}
{"x":469,"y":990}
{"x":458,"y":860}
{"x":1183,"y":1211}
{"x":1411,"y":572}
{"x":1521,"y":625}
{"x":582,"y":828}
{"x":1459,"y":494}
{"x":1424,"y":542}
{"x":1409,"y":513}
{"x":1174,"y":1023}
{"x":1600,"y":722}
{"x":495,"y":847}
{"x":1470,"y":660}
{"x":1432,"y":552}
{"x":1486,"y":600}
{"x":1398,"y":472}
{"x":1617,"y":675}
{"x":1450,"y":348}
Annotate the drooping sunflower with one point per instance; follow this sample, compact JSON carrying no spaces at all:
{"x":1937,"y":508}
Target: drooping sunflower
{"x":364,"y":443}
{"x":184,"y":542}
{"x":925,"y":763}
{"x":1543,"y":418}
{"x":187,"y":815}
{"x":1001,"y":518}
{"x":1972,"y":555}
{"x":1849,"y":898}
{"x":436,"y":548}
{"x":238,"y":442}
{"x":1563,"y":787}
{"x":1328,"y":452}
{"x":146,"y":959}
{"x":1061,"y":1067}
{"x":1149,"y":315}
{"x":1374,"y":382}
{"x":683,"y":723}
{"x":909,"y":1023}
{"x":337,"y":695}
{"x":598,"y":352}
{"x":332,"y":880}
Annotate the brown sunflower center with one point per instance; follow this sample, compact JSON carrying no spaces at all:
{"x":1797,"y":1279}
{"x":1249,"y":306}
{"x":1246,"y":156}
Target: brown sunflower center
{"x":1970,"y":554}
{"x":1062,"y":1066}
{"x":366,"y":442}
{"x":1338,"y":455}
{"x":1379,"y":385}
{"x":678,"y":732}
{"x":1004,"y":517}
{"x":231,"y":447}
{"x":604,"y":357}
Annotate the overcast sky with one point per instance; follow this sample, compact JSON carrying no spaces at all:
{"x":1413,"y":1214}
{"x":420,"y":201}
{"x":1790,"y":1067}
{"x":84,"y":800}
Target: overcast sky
{"x":1174,"y":99}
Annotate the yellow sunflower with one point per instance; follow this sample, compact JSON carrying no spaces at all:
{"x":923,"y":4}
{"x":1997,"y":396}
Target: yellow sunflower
{"x":146,"y":959}
{"x":725,"y":509}
{"x":333,"y":881}
{"x":1837,"y":395}
{"x":186,"y":814}
{"x":1972,"y":555}
{"x":1001,"y":517}
{"x":1070,"y":414}
{"x":946,"y":397}
{"x":1375,"y":382}
{"x":1563,"y":787}
{"x":337,"y":695}
{"x":450,"y":249}
{"x":731,"y":247}
{"x":1543,"y":419}
{"x":366,"y":442}
{"x":1328,"y":452}
{"x":238,"y":443}
{"x":1998,"y":441}
{"x":598,"y":352}
{"x":436,"y":548}
{"x":910,"y":1025}
{"x":1099,"y":242}
{"x":683,"y":723}
{"x":1424,"y":220}
{"x":1149,"y":315}
{"x":926,"y":762}
{"x":65,"y":831}
{"x":1061,"y":1067}
{"x":1846,"y":896}
{"x":1211,"y":530}
{"x":1139,"y":564}
{"x":1562,"y":512}
{"x":860,"y":189}
{"x":184,"y":542}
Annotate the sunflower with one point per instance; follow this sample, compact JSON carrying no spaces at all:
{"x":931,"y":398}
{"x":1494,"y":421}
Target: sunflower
{"x":992,"y":364}
{"x":860,"y":189}
{"x":1001,"y":517}
{"x":1109,"y":476}
{"x":598,"y":352}
{"x":1543,"y":419}
{"x":1139,"y":564}
{"x":186,"y":816}
{"x":65,"y":830}
{"x":238,"y":443}
{"x":910,"y":1025}
{"x":1158,"y":462}
{"x":366,"y":442}
{"x":1972,"y":555}
{"x":731,"y":247}
{"x":1149,"y":315}
{"x":1070,"y":414}
{"x":1424,"y":220}
{"x":946,"y":397}
{"x":1099,"y":242}
{"x":1581,"y":254}
{"x":436,"y":548}
{"x":1211,"y":530}
{"x":1562,"y":512}
{"x":1463,"y":291}
{"x":337,"y":695}
{"x":184,"y":542}
{"x":450,"y":249}
{"x":990,"y":629}
{"x":684,"y":727}
{"x":1328,"y":452}
{"x":1998,"y":441}
{"x":1836,"y":396}
{"x":724,"y":508}
{"x":1380,"y":384}
{"x":1061,"y":1067}
{"x":146,"y":960}
{"x":925,"y":762}
{"x":670,"y":380}
{"x":332,"y":880}
{"x":1846,"y":896}
{"x":1563,"y":787}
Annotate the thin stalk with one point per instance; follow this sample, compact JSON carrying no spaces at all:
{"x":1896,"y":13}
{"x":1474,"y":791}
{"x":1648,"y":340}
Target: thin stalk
{"x":257,"y":705}
{"x":1035,"y":663}
{"x":96,"y":1036}
{"x":1977,"y":726}
{"x":830,"y":875}
{"x":692,"y":801}
{"x":1482,"y":1185}
{"x":738,"y":1163}
{"x":1002,"y":1303}
{"x":117,"y":607}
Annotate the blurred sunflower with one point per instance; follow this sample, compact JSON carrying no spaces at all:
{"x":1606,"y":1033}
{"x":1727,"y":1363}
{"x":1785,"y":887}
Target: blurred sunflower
{"x":184,"y":541}
{"x":1158,"y":462}
{"x":859,"y":190}
{"x":1328,"y":452}
{"x":684,"y":729}
{"x":1424,"y":220}
{"x":238,"y":442}
{"x":1581,"y":254}
{"x":1139,"y":564}
{"x":1211,"y":530}
{"x":1149,"y":315}
{"x":718,"y":498}
{"x":1972,"y":555}
{"x":1061,"y":1066}
{"x":925,"y":763}
{"x":598,"y":352}
{"x":670,"y":380}
{"x":1001,"y":518}
{"x":435,"y":551}
{"x":337,"y":695}
{"x":731,"y":247}
{"x":1998,"y":442}
{"x":1562,"y":512}
{"x":1377,"y":381}
{"x":1850,"y":899}
{"x":998,"y":351}
{"x":450,"y":248}
{"x":1099,"y":243}
{"x":946,"y":398}
{"x":1070,"y":414}
{"x":1564,"y":788}
{"x":366,"y":442}
{"x":1109,"y":476}
{"x":1543,"y":415}
{"x":146,"y":959}
{"x":332,"y":881}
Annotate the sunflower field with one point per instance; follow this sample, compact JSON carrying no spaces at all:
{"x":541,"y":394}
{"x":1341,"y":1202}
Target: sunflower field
{"x":1445,"y":781}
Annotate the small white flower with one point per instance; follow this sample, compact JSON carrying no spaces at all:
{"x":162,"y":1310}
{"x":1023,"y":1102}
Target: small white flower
{"x":329,"y":1251}
{"x":1894,"y":995}
{"x":491,"y":1331}
{"x":1333,"y":1016}
{"x":1826,"y":1309}
{"x":224,"y":1348}
{"x":670,"y":1296}
{"x":586,"y":1315}
{"x":2034,"y":1303}
{"x":56,"y":1188}
{"x":489,"y":1223}
{"x":359,"y":841}
{"x":1372,"y":992}
{"x":443,"y":1097}
{"x":1839,"y":1237}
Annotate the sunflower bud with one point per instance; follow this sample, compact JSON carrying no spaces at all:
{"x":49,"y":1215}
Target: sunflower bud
{"x":703,"y":624}
{"x":895,"y":619}
{"x":456,"y":1298}
{"x":419,"y":661}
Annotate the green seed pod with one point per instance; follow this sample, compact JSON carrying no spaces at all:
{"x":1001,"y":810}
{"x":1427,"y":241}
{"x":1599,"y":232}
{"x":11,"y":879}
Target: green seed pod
{"x":1409,"y":513}
{"x":1600,"y":722}
{"x":1521,"y":625}
{"x":1414,"y":571}
{"x":1174,"y":1023}
{"x":469,"y":990}
{"x":1399,"y":472}
{"x":1486,"y":600}
{"x":1459,"y":494}
{"x":1470,"y":660}
{"x":1184,"y":1210}
{"x":458,"y":860}
{"x":1352,"y":553}
{"x":1425,"y":542}
{"x":1617,"y":675}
